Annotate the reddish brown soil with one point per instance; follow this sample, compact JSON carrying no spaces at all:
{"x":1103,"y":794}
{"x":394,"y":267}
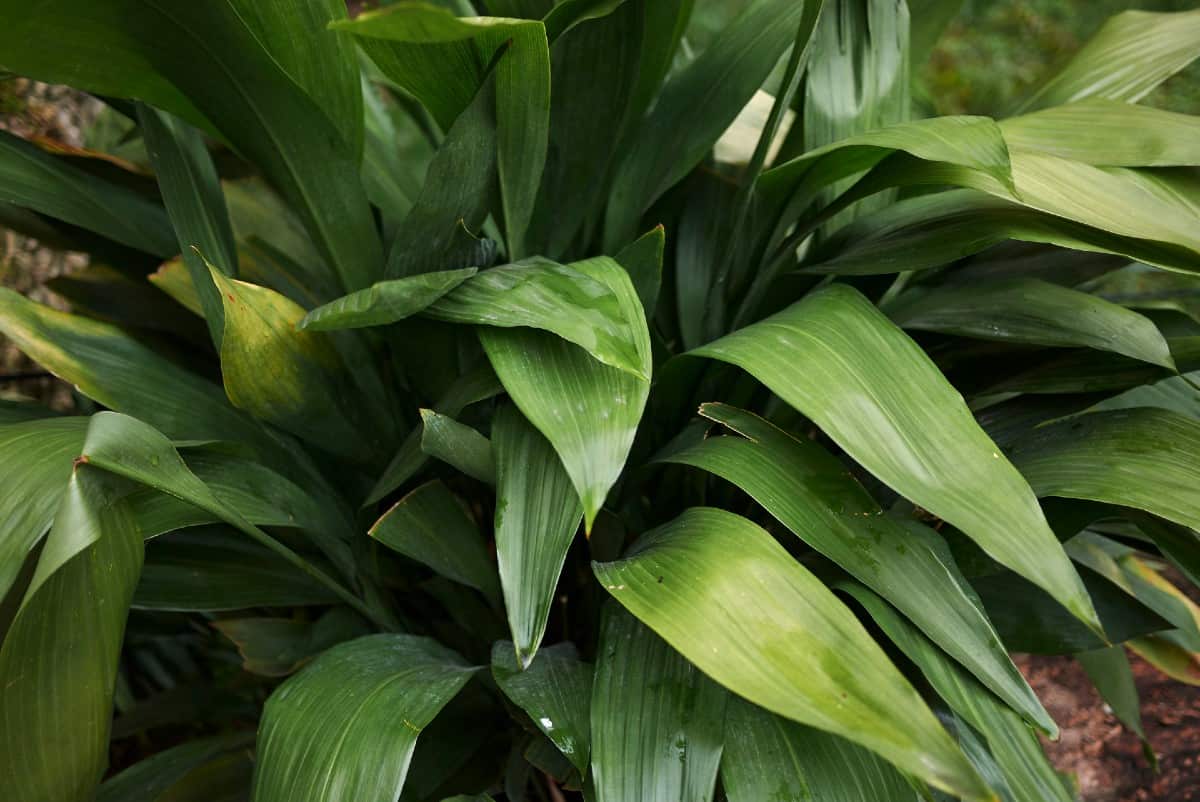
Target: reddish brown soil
{"x":1107,"y":758}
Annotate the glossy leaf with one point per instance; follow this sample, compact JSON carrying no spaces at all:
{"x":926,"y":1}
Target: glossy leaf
{"x":345,"y":727}
{"x":556,"y":691}
{"x":656,"y":720}
{"x":1031,"y":312}
{"x":276,"y":647}
{"x":1132,"y":53}
{"x":809,"y":491}
{"x":1141,"y":458}
{"x":876,"y":394}
{"x":152,"y":779}
{"x":537,"y":515}
{"x":694,"y":107}
{"x":402,"y":40}
{"x":433,"y":527}
{"x":58,"y":662}
{"x":568,"y":300}
{"x":457,"y":444}
{"x":643,"y":261}
{"x":768,"y":757}
{"x":385,"y":302}
{"x":733,"y":601}
{"x":35,"y":467}
{"x":34,"y":179}
{"x":285,"y":376}
{"x":1015,"y":747}
{"x":588,"y":411}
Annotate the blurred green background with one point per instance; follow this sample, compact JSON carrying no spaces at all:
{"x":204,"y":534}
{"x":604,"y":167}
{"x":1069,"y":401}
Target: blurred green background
{"x":994,"y":49}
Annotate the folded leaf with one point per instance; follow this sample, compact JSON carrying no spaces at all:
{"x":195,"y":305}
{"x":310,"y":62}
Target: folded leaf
{"x":565,"y":299}
{"x":556,"y":691}
{"x":345,"y":727}
{"x":656,"y":720}
{"x":433,"y":527}
{"x":537,"y":515}
{"x":588,"y":411}
{"x":1132,"y":53}
{"x":148,"y":780}
{"x":769,"y":757}
{"x":457,"y":444}
{"x":878,"y":395}
{"x":1032,"y":312}
{"x":58,"y":662}
{"x":385,"y":302}
{"x":811,"y":494}
{"x":733,"y":601}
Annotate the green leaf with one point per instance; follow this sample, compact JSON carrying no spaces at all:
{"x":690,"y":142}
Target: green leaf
{"x":769,"y":757}
{"x":1034,"y":312}
{"x":276,"y":647}
{"x":555,"y":690}
{"x":858,"y":75}
{"x":35,"y":466}
{"x":58,"y":662}
{"x":569,"y":13}
{"x":457,"y":444}
{"x":656,"y":720}
{"x":33,"y":179}
{"x":588,"y":411}
{"x":474,"y":386}
{"x":929,"y":20}
{"x":643,"y":261}
{"x":568,"y":300}
{"x":1131,"y":54}
{"x":385,"y":302}
{"x":116,"y":370}
{"x":809,"y":491}
{"x":345,"y":727}
{"x":537,"y":515}
{"x":192,"y":191}
{"x":212,"y":568}
{"x":323,"y":64}
{"x":879,"y":396}
{"x":443,"y":60}
{"x":943,"y":227}
{"x":291,"y":378}
{"x":1148,"y":459}
{"x":695,"y":106}
{"x":431,"y":526}
{"x":1015,"y":747}
{"x":1108,"y":134}
{"x":150,"y":779}
{"x":733,"y":601}
{"x":1109,"y":671}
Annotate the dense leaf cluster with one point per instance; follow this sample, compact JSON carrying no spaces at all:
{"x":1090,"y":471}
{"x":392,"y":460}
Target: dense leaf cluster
{"x":570,"y":402}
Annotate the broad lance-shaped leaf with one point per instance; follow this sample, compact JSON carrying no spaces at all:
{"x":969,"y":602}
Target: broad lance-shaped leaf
{"x":35,"y":465}
{"x":385,"y":302}
{"x":588,"y":411}
{"x":643,"y":261}
{"x":293,"y":379}
{"x":811,"y":494}
{"x":1030,"y":311}
{"x":835,"y":358}
{"x":565,"y":299}
{"x":192,"y":192}
{"x":537,"y":515}
{"x":768,"y":757}
{"x":58,"y":662}
{"x":1110,"y":672}
{"x":457,"y":444}
{"x":556,"y":691}
{"x":148,"y":780}
{"x":694,"y":107}
{"x":1015,"y":747}
{"x":114,"y":369}
{"x":431,"y":526}
{"x":1132,"y":53}
{"x":656,"y":719}
{"x":33,"y":179}
{"x":277,"y":647}
{"x":733,"y":601}
{"x":1148,"y":459}
{"x":345,"y":727}
{"x":1109,"y":134}
{"x":443,"y":60}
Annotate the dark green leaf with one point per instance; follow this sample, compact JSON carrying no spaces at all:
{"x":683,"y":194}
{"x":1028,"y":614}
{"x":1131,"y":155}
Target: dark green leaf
{"x":152,"y":779}
{"x":1109,"y":671}
{"x":457,"y":444}
{"x":555,"y":690}
{"x":386,"y":301}
{"x":276,"y":647}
